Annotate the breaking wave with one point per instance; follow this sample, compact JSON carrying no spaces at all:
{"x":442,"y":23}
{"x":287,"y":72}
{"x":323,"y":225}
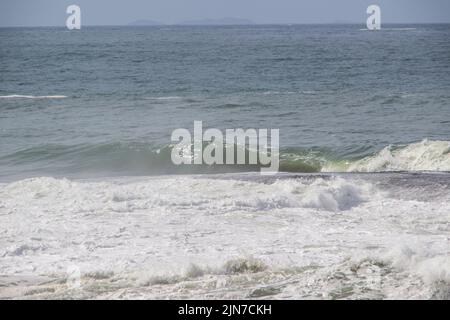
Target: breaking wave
{"x":240,"y":265}
{"x":422,"y":156}
{"x":332,"y":194}
{"x":120,"y":158}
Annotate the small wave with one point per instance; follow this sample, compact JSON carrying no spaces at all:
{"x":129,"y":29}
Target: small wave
{"x":335,"y":195}
{"x":304,"y":92}
{"x":422,"y":156}
{"x":269,"y":93}
{"x":241,"y":265}
{"x":18,"y":96}
{"x":165,"y":98}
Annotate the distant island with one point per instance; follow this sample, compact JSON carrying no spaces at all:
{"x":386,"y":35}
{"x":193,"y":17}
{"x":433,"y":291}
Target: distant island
{"x":217,"y":22}
{"x":144,"y":22}
{"x":202,"y":22}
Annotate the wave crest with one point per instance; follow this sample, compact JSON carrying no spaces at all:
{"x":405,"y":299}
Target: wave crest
{"x":134,"y":158}
{"x":422,"y":156}
{"x":19,"y":96}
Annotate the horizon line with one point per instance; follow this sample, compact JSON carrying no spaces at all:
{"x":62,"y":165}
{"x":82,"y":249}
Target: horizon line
{"x":181,"y":24}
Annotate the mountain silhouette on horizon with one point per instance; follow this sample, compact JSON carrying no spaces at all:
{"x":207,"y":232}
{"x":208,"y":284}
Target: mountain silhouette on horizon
{"x":145,"y":22}
{"x":223,"y":21}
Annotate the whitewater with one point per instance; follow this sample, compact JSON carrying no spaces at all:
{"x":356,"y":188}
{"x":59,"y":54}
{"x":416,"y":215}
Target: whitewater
{"x":230,"y":236}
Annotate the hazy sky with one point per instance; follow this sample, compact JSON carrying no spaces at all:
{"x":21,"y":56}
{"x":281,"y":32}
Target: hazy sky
{"x":109,"y":12}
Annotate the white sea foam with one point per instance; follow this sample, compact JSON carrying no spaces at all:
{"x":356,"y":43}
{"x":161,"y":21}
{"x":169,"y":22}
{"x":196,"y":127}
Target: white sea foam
{"x":336,"y":195}
{"x":222,"y":238}
{"x":426,"y":155}
{"x":432,"y":266}
{"x":18,"y":96}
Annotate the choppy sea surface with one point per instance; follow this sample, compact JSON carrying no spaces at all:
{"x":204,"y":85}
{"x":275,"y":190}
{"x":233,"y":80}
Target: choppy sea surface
{"x":92,"y":207}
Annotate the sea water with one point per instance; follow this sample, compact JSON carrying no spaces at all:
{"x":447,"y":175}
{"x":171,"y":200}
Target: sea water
{"x":360,"y":209}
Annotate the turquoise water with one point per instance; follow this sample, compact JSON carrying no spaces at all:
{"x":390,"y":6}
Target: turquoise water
{"x":104,"y":101}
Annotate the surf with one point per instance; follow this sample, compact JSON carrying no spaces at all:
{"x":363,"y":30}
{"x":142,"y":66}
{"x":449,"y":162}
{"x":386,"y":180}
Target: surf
{"x":426,"y":155}
{"x":19,"y":96}
{"x":141,"y":159}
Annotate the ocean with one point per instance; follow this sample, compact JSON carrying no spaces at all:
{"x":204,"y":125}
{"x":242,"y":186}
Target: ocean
{"x":360,"y":208}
